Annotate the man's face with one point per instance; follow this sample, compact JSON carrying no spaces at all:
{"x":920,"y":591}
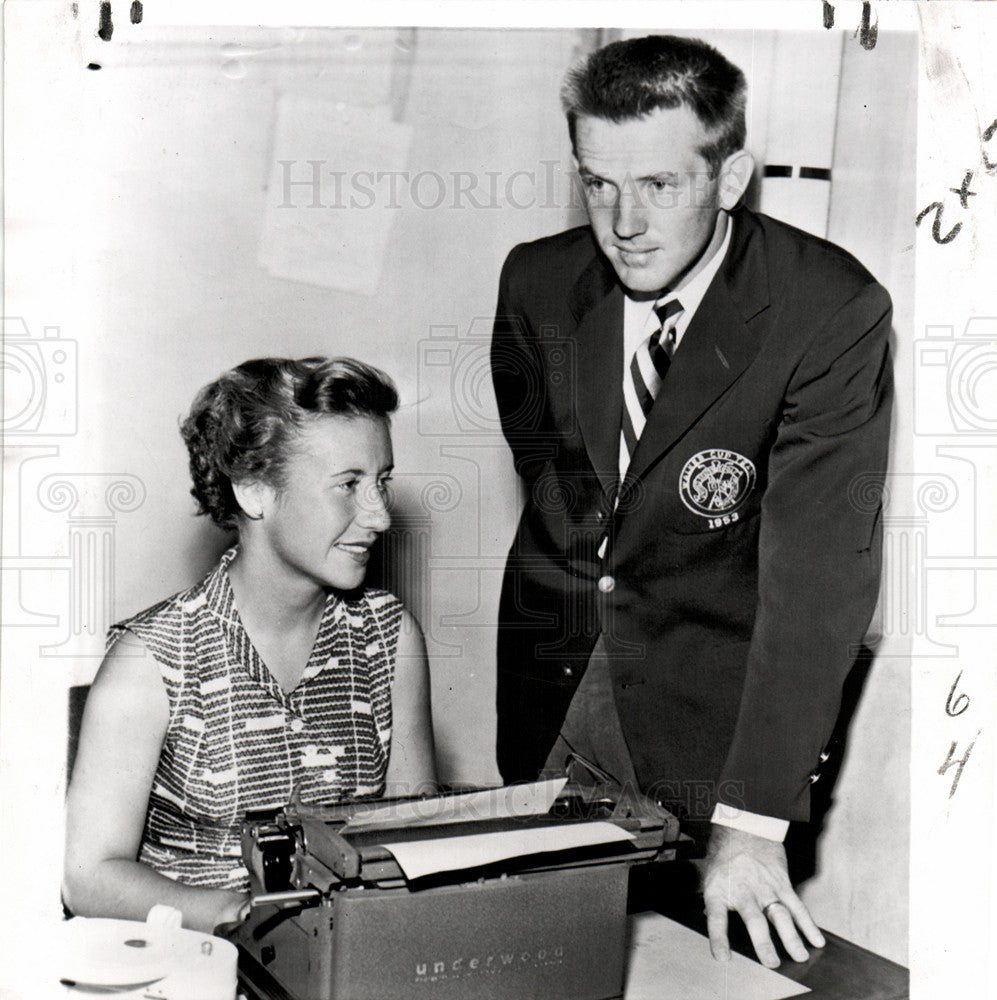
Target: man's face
{"x":650,"y":199}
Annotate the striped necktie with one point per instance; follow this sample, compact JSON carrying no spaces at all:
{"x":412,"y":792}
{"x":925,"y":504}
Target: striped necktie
{"x":648,"y":368}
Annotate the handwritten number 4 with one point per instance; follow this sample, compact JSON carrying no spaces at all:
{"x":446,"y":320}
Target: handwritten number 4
{"x":957,"y":764}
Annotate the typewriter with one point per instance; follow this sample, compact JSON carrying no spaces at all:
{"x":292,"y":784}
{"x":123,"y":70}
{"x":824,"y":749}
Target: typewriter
{"x":459,"y":897}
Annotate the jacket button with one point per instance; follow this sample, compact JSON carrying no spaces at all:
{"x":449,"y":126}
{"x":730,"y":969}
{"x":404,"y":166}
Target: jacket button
{"x":606,"y":584}
{"x":814,"y":778}
{"x":601,"y":516}
{"x":824,"y":757}
{"x":568,"y":670}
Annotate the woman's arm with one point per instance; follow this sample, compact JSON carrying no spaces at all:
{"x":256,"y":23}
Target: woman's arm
{"x":412,"y":766}
{"x":124,"y":726}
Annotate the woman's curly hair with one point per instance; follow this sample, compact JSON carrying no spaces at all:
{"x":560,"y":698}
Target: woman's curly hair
{"x":240,"y":425}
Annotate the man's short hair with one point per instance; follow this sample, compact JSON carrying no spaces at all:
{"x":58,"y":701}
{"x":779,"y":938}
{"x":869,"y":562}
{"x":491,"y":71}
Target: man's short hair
{"x":629,"y":79}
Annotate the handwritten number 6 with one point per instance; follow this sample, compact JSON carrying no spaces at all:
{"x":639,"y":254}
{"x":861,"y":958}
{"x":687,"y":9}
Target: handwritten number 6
{"x":957,"y":707}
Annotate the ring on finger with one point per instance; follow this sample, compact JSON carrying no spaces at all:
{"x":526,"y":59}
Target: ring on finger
{"x":767,"y":907}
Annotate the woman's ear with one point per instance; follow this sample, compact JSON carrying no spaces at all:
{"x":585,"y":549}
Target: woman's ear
{"x":252,"y":498}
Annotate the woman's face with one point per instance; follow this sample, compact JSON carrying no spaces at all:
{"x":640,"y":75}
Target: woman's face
{"x":322,"y":523}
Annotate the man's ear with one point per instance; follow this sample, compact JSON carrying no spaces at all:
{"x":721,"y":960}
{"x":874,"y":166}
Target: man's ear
{"x":252,"y":497}
{"x":735,"y":176}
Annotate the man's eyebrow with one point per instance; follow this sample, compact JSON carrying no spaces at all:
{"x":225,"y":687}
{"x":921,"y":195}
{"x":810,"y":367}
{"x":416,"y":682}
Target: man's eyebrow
{"x":660,"y":175}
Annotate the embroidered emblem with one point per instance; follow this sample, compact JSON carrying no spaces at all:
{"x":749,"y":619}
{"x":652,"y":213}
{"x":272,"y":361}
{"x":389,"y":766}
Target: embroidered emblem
{"x":714,"y":483}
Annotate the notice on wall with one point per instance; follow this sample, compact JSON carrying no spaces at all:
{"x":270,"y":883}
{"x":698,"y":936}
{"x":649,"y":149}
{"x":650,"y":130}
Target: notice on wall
{"x":329,"y":217}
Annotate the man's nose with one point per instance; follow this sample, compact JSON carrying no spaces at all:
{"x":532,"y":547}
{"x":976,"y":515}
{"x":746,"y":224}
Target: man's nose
{"x":629,"y":219}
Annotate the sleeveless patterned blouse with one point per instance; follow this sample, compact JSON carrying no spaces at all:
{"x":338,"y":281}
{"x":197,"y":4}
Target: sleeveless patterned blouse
{"x":236,"y":741}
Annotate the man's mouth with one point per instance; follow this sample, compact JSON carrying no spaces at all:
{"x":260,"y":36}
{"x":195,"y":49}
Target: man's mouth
{"x":635,"y":258}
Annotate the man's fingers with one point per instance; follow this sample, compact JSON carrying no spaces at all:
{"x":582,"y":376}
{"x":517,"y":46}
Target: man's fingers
{"x":804,"y":921}
{"x":748,"y":874}
{"x":716,"y":927}
{"x":781,"y":918}
{"x":758,"y":930}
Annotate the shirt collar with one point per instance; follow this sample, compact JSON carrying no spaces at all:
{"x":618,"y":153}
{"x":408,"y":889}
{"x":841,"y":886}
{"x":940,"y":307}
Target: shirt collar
{"x":693,"y":293}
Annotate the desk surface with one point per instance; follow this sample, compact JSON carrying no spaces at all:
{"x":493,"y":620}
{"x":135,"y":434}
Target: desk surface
{"x":844,"y":971}
{"x":839,"y":971}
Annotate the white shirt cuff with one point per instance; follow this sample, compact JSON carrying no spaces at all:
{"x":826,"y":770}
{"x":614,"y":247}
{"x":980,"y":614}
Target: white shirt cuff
{"x":740,"y":819}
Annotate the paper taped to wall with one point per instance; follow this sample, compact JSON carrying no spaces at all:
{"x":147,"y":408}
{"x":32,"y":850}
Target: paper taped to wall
{"x":332,"y":194}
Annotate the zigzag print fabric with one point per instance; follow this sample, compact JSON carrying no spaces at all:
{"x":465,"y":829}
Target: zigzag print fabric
{"x":237,"y":741}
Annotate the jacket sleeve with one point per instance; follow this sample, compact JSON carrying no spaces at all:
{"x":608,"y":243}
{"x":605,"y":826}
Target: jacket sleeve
{"x":819,"y":557}
{"x":518,"y":373}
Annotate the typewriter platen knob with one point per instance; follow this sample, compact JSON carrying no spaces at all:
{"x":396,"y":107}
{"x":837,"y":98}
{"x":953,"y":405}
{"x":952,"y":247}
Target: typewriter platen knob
{"x":272,"y":856}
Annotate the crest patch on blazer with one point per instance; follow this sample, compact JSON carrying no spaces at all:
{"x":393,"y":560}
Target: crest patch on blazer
{"x":715,"y":482}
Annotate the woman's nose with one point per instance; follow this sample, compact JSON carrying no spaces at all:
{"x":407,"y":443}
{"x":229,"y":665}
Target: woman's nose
{"x":372,"y":508}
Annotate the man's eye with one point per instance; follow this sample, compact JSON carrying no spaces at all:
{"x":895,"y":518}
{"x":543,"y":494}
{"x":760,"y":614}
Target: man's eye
{"x":384,"y":485}
{"x":347,"y":485}
{"x":593,"y":183}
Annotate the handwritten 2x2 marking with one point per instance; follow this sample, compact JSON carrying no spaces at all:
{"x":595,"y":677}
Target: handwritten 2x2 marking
{"x":964,"y":193}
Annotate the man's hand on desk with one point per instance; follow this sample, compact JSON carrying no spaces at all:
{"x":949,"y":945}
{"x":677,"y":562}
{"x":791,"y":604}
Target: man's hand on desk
{"x":749,"y":874}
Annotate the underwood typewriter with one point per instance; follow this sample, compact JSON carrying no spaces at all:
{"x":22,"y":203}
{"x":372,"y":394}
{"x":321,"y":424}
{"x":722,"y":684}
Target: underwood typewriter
{"x":504,"y":894}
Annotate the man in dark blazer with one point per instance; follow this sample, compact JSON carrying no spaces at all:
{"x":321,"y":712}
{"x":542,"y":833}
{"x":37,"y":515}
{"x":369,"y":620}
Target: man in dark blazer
{"x":697,"y":398}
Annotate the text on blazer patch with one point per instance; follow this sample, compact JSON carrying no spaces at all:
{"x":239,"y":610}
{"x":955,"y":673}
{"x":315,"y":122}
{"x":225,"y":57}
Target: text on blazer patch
{"x":714,"y":483}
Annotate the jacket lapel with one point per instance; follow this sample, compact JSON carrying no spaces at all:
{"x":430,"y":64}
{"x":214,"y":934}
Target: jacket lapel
{"x":597,"y":303}
{"x":718,"y":345}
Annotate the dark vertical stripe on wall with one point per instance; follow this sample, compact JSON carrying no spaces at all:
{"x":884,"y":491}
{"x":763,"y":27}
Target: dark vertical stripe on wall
{"x":402,"y":64}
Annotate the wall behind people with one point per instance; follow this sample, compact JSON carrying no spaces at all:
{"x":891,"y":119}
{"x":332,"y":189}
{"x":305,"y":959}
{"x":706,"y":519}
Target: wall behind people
{"x":866,"y":841}
{"x":191,"y":218}
{"x":220,"y":208}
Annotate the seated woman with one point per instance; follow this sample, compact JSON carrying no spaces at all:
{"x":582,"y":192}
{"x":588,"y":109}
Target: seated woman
{"x":278,"y":672}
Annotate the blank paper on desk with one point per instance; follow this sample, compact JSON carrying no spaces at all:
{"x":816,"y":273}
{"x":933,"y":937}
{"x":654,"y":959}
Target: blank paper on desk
{"x":670,"y":962}
{"x":332,"y":196}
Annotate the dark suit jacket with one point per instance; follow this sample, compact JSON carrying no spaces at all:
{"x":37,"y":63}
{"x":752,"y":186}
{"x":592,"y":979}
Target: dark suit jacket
{"x":743,"y":559}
